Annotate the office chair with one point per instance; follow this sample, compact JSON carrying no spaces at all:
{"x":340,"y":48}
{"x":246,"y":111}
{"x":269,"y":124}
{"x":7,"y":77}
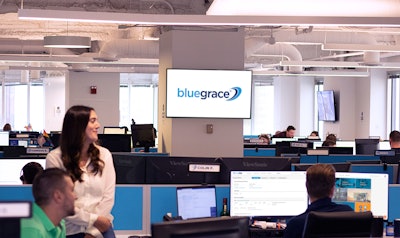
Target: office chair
{"x":338,"y":224}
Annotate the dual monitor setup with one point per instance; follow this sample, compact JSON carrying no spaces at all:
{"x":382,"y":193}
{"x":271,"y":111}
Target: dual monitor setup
{"x":310,"y":147}
{"x":115,"y":139}
{"x":267,"y":195}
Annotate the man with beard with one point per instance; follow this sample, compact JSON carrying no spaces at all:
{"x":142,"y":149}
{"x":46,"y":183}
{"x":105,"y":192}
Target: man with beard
{"x":53,"y":191}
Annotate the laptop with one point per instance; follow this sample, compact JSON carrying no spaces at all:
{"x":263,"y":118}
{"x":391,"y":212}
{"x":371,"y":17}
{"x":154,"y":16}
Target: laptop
{"x":196,"y":201}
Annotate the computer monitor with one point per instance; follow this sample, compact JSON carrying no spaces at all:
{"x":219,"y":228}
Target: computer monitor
{"x":115,"y":142}
{"x":24,"y":134}
{"x":143,"y":135}
{"x":115,"y":130}
{"x":292,"y":147}
{"x":215,"y":227}
{"x":196,"y":201}
{"x":129,"y":169}
{"x":363,"y":192}
{"x":10,"y":169}
{"x":268,"y":193}
{"x":388,"y":156}
{"x":10,"y":216}
{"x":55,"y":138}
{"x":253,"y":164}
{"x":336,"y":150}
{"x":175,"y":170}
{"x":4,"y":138}
{"x":366,"y":146}
{"x":275,"y":140}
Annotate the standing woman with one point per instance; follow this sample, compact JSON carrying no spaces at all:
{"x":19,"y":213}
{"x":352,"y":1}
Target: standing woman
{"x":92,"y":168}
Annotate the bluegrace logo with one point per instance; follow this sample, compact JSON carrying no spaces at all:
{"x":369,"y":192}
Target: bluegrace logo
{"x":229,"y":95}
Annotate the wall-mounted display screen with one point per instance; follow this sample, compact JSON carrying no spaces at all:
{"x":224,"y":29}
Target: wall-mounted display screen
{"x":326,"y":106}
{"x":195,"y":93}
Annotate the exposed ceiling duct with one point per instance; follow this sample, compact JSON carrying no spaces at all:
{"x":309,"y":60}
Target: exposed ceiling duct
{"x":121,"y":47}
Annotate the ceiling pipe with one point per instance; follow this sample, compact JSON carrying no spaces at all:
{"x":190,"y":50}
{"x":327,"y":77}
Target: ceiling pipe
{"x":129,"y":48}
{"x":318,"y":37}
{"x":286,"y":51}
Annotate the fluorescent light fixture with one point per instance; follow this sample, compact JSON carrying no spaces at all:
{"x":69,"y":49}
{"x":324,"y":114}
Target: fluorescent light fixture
{"x":67,"y":42}
{"x":206,"y":20}
{"x":337,"y":8}
{"x":341,"y":64}
{"x":336,"y":73}
{"x":327,"y":64}
{"x":361,"y":47}
{"x":74,"y":59}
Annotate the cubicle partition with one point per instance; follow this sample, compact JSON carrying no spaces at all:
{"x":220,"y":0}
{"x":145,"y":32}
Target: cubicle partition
{"x":137,"y":206}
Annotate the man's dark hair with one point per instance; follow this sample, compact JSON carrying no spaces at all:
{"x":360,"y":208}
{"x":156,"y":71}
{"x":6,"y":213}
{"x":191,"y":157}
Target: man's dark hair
{"x":331,"y":137}
{"x":320,"y":180}
{"x":329,"y":143}
{"x":394,"y":136}
{"x":46,"y":182}
{"x":290,"y":128}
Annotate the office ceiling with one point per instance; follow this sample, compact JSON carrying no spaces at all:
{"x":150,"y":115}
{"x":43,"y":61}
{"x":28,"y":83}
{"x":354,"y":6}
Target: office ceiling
{"x":134,"y":48}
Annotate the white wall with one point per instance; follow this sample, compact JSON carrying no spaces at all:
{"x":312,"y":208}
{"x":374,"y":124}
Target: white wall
{"x":362,"y":106}
{"x":105,"y":102}
{"x":54,"y":90}
{"x":345,"y":90}
{"x":378,"y":106}
{"x":294,"y":104}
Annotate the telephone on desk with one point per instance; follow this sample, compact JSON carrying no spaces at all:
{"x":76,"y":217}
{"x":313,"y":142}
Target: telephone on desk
{"x":169,"y":217}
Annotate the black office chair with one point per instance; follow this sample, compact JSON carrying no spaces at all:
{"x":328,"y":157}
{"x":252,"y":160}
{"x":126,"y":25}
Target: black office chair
{"x":338,"y":224}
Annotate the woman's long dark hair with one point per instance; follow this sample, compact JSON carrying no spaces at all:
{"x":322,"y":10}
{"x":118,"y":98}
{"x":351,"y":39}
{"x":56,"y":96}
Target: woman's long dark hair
{"x":73,"y":136}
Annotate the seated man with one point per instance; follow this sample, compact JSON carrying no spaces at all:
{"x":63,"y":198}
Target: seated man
{"x":320,"y":183}
{"x":394,"y":140}
{"x":53,"y":191}
{"x":289,"y":133}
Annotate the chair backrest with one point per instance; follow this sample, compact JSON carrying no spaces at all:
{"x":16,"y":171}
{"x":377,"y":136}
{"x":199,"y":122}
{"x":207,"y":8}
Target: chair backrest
{"x":338,"y":224}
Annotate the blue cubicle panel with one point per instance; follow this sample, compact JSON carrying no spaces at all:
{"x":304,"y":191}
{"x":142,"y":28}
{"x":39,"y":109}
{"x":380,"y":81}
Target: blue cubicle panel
{"x":308,"y":159}
{"x":335,"y":158}
{"x":17,"y":192}
{"x":258,"y":152}
{"x":128,"y":208}
{"x":163,"y":200}
{"x":344,"y":158}
{"x":390,"y":169}
{"x":394,"y":206}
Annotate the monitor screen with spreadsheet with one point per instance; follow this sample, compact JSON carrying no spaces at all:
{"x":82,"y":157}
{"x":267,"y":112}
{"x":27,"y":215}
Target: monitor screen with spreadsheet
{"x":196,"y":201}
{"x":268,"y":193}
{"x":4,"y":138}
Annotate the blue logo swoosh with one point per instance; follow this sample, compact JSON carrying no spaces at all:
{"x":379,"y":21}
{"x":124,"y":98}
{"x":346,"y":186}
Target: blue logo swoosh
{"x":238,"y":91}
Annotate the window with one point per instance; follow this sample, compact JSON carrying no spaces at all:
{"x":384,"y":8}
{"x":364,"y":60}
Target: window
{"x":22,"y":104}
{"x":318,"y":125}
{"x":262,"y":115}
{"x":138,"y":99}
{"x":394,"y":101}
